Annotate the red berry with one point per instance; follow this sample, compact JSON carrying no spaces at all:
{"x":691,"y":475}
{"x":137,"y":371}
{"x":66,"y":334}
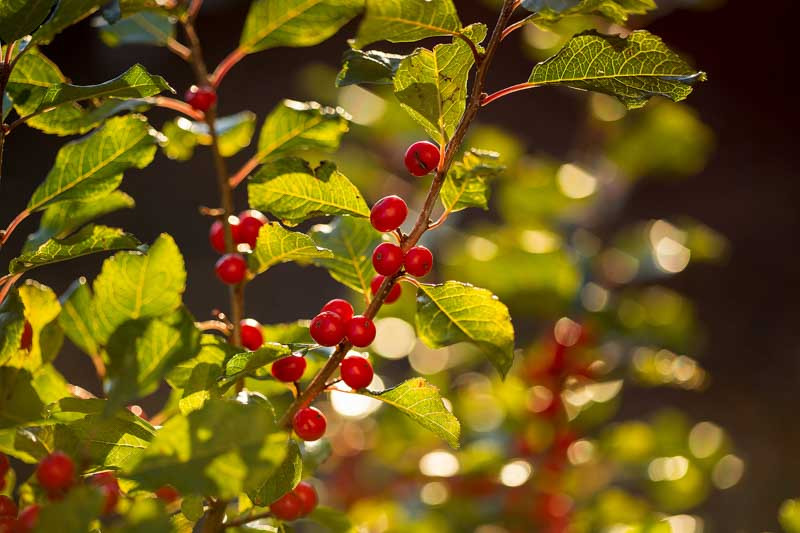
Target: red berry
{"x":309,"y":423}
{"x":9,"y":524}
{"x":26,"y":341}
{"x":138,"y":411}
{"x":27,"y":519}
{"x":7,"y":506}
{"x":387,"y":258}
{"x":388,"y":213}
{"x":394,"y":292}
{"x":231,"y":268}
{"x":341,"y":308}
{"x":216,"y":235}
{"x":252,"y":337}
{"x":422,"y":157}
{"x":200,"y":98}
{"x":56,"y":472}
{"x":356,"y":372}
{"x":167,"y":494}
{"x":289,"y":369}
{"x":288,"y":507}
{"x":328,"y":329}
{"x":361,"y":331}
{"x":250,"y":223}
{"x":109,"y":486}
{"x":4,"y":465}
{"x":418,"y":261}
{"x":307,"y":495}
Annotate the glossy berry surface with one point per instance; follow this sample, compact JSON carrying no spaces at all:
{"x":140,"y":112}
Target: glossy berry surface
{"x":109,"y":486}
{"x":231,"y":268}
{"x":288,"y":507}
{"x":27,"y":518}
{"x":7,"y":506}
{"x":307,"y":495}
{"x":26,"y":341}
{"x":387,"y":258}
{"x":328,"y":329}
{"x":356,"y":372}
{"x":341,"y":308}
{"x":289,"y":369}
{"x":309,"y":423}
{"x":418,"y":261}
{"x":4,"y":465}
{"x":388,"y":213}
{"x":361,"y":331}
{"x":422,"y":158}
{"x":250,"y":223}
{"x":167,"y":494}
{"x":56,"y":472}
{"x":394,"y":292}
{"x":200,"y":98}
{"x":216,"y":235}
{"x":252,"y":337}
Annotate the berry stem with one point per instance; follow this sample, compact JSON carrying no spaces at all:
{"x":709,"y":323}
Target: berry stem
{"x":317,"y":384}
{"x":517,"y":25}
{"x":176,"y":105}
{"x":508,"y":90}
{"x":226,"y":65}
{"x":5,"y":235}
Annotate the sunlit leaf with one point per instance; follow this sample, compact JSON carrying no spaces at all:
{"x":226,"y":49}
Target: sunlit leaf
{"x":432,"y":85}
{"x":333,"y":520}
{"x":294,"y":192}
{"x":41,"y":310}
{"x":197,"y":454}
{"x":368,"y":66}
{"x":247,"y":362}
{"x":147,"y":27}
{"x":91,"y":239}
{"x":421,"y":401}
{"x":66,"y":14}
{"x":77,"y":318}
{"x":234,"y":133}
{"x":284,"y":479}
{"x":458,"y":312}
{"x":406,"y":21}
{"x":616,"y":10}
{"x":294,"y":23}
{"x":633,"y":69}
{"x":19,"y":18}
{"x":466,"y":183}
{"x":91,"y":167}
{"x":276,"y":245}
{"x":352,"y":241}
{"x":214,"y":351}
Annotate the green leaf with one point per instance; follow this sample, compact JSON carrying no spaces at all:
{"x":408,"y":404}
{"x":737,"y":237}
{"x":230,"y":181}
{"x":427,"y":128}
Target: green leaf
{"x":91,"y":167}
{"x":148,"y":27}
{"x":41,"y":311}
{"x":246,"y":363}
{"x":615,"y":10}
{"x":12,"y":322}
{"x":234,"y":133}
{"x":135,"y":285}
{"x":60,"y":220}
{"x":19,"y":18}
{"x":273,"y":23}
{"x":142,"y":352}
{"x":334,"y":520}
{"x":284,"y":479}
{"x":789,"y":516}
{"x":136,"y":82}
{"x":352,"y":241}
{"x":214,"y":351}
{"x":67,"y":13}
{"x":287,"y":332}
{"x":91,"y":239}
{"x":220,"y":450}
{"x":458,"y":312}
{"x":432,"y":85}
{"x":276,"y":245}
{"x":148,"y":515}
{"x":370,"y":66}
{"x":77,"y":319}
{"x":421,"y":401}
{"x":76,"y":512}
{"x":19,"y":402}
{"x":466,"y":183}
{"x":293,"y":192}
{"x":406,"y":21}
{"x":633,"y":69}
{"x":294,"y":126}
{"x":85,"y":432}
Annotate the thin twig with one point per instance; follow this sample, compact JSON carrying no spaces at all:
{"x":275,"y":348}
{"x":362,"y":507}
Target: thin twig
{"x":246,"y":520}
{"x":6,"y":234}
{"x":517,"y":25}
{"x":508,"y":90}
{"x":179,"y":49}
{"x":213,"y":325}
{"x":317,"y":384}
{"x":226,"y":65}
{"x":244,"y":171}
{"x":176,"y":105}
{"x":4,"y":288}
{"x":476,"y":54}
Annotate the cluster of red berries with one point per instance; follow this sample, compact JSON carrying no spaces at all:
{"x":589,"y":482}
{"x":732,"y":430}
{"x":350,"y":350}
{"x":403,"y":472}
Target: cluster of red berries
{"x":200,"y":98}
{"x":296,"y":503}
{"x":231,"y":268}
{"x":336,"y":321}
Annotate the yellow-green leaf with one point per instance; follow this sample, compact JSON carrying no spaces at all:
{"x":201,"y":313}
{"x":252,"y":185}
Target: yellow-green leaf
{"x":406,"y":21}
{"x":276,"y":245}
{"x":466,"y":183}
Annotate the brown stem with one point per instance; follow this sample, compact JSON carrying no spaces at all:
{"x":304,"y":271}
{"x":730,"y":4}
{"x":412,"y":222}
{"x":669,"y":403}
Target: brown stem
{"x":213,"y":325}
{"x":226,"y":65}
{"x":236,"y":293}
{"x":508,"y":90}
{"x":214,"y":517}
{"x":176,"y":105}
{"x":317,"y":384}
{"x":246,"y":520}
{"x":243,"y":172}
{"x":6,"y":234}
{"x":179,"y":49}
{"x":517,"y":25}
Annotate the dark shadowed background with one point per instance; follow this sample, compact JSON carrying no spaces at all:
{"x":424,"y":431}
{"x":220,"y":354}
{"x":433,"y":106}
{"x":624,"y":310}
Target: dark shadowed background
{"x":748,"y":193}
